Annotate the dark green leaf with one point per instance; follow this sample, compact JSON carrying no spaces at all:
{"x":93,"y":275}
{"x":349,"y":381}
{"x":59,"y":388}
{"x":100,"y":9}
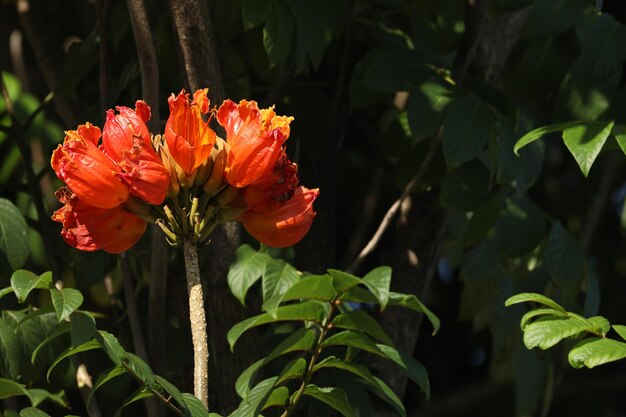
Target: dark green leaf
{"x":246,"y":270}
{"x":313,"y":34}
{"x":603,"y":44}
{"x":278,"y":33}
{"x":278,"y":398}
{"x":427,"y":107}
{"x":395,"y":69}
{"x":10,"y":353}
{"x":594,"y":351}
{"x":312,"y":287}
{"x":305,"y":311}
{"x":254,"y":12}
{"x":23,"y":282}
{"x":196,"y":407}
{"x":256,"y":398}
{"x":585,"y":141}
{"x":564,"y":258}
{"x":358,"y":295}
{"x":540,"y":132}
{"x":10,"y":388}
{"x":13,"y":234}
{"x":413,"y":303}
{"x":619,"y":131}
{"x":550,"y":17}
{"x":363,"y":322}
{"x":520,"y":227}
{"x":105,"y":377}
{"x":415,"y":370}
{"x":343,"y":281}
{"x":293,"y":370}
{"x":354,"y":339}
{"x":91,"y":345}
{"x":466,"y":187}
{"x":523,"y":169}
{"x":138,"y":395}
{"x":65,"y":301}
{"x":467,"y":129}
{"x":334,"y":397}
{"x":83,"y":327}
{"x":378,"y":281}
{"x":278,"y":277}
{"x":62,"y":328}
{"x":138,"y":368}
{"x":111,"y":346}
{"x":171,"y":390}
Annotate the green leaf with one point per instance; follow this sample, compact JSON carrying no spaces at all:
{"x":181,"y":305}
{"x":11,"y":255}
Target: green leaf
{"x":302,"y":340}
{"x":278,"y":277}
{"x":386,"y":393}
{"x":353,"y":339}
{"x":138,"y":368}
{"x":10,"y":353}
{"x":551,"y":17}
{"x":196,"y":407}
{"x":279,"y":33}
{"x":33,"y":412}
{"x":413,"y":303}
{"x":83,"y":327}
{"x":138,"y":395}
{"x":546,"y":332}
{"x":91,"y":345}
{"x":10,"y":388}
{"x":312,"y":287}
{"x":415,"y":370}
{"x":532,"y":314}
{"x":256,"y":398}
{"x":254,"y":12}
{"x":521,"y":226}
{"x":361,"y":321}
{"x":343,"y":281}
{"x":378,"y":281}
{"x":305,"y":311}
{"x":585,"y":141}
{"x":295,"y":369}
{"x":358,"y":295}
{"x":104,"y":377}
{"x":171,"y":390}
{"x":278,"y":398}
{"x":603,"y":44}
{"x":620,"y":330}
{"x":111,"y":346}
{"x":619,"y":131}
{"x":593,"y":351}
{"x":540,"y":132}
{"x":62,"y":328}
{"x":427,"y":107}
{"x":13,"y":234}
{"x":23,"y":282}
{"x":466,"y":131}
{"x":535,"y":298}
{"x":395,"y":69}
{"x":334,"y":397}
{"x":564,"y":258}
{"x":5,"y":291}
{"x":525,"y":168}
{"x":246,"y":270}
{"x":65,"y":301}
{"x":37,"y":396}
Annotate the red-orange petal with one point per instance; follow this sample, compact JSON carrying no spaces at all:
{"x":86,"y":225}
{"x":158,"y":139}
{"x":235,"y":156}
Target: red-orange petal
{"x":125,"y":130}
{"x":189,"y":138}
{"x":286,"y":225}
{"x":87,"y":171}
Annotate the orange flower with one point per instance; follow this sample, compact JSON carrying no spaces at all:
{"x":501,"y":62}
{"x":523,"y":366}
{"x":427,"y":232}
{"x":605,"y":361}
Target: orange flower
{"x":271,"y":191}
{"x":90,"y":228}
{"x":286,"y":225}
{"x":189,"y":138}
{"x":90,"y":174}
{"x":255,"y":138}
{"x":126,"y":140}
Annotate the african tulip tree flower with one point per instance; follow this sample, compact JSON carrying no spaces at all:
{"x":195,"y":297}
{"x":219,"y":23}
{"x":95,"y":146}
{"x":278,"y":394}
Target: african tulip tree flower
{"x":286,"y":225}
{"x":189,"y":138}
{"x":255,"y":138}
{"x":89,"y":228}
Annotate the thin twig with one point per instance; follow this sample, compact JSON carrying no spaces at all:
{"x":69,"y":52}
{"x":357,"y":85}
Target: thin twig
{"x":197,"y":317}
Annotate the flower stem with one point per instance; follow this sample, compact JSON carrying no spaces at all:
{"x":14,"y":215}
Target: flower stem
{"x":197,"y":317}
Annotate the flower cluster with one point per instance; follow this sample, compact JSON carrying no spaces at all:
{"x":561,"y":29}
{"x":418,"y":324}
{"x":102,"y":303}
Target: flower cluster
{"x":187,"y":180}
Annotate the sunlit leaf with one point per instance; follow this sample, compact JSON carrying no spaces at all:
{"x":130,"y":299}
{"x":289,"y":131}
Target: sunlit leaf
{"x":23,"y":282}
{"x":65,"y":301}
{"x":593,"y":351}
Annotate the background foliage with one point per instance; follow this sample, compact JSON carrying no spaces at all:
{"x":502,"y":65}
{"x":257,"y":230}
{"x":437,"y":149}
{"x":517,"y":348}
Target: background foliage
{"x":422,"y":98}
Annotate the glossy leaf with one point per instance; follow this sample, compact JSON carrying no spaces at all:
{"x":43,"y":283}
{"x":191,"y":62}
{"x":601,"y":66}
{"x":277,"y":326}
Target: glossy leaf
{"x":312,"y":287}
{"x":620,"y":330}
{"x":546,"y":332}
{"x":413,"y":303}
{"x":246,"y":271}
{"x":378,"y":281}
{"x":13,"y":234}
{"x":540,"y":132}
{"x":170,"y":389}
{"x":343,"y":281}
{"x":91,"y":345}
{"x":65,"y":301}
{"x":415,"y":370}
{"x":585,"y":141}
{"x":564,"y":258}
{"x":138,"y":368}
{"x":253,"y":403}
{"x":195,"y":406}
{"x":534,"y":297}
{"x":593,"y":351}
{"x":537,"y":312}
{"x":334,"y":397}
{"x":363,"y":322}
{"x":10,"y":388}
{"x":353,"y":339}
{"x":23,"y":282}
{"x":306,"y":311}
{"x":467,"y":128}
{"x":278,"y":398}
{"x":111,"y":346}
{"x":278,"y":277}
{"x":83,"y":327}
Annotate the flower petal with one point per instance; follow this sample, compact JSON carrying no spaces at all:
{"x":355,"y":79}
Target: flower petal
{"x":286,"y":225}
{"x":125,"y":130}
